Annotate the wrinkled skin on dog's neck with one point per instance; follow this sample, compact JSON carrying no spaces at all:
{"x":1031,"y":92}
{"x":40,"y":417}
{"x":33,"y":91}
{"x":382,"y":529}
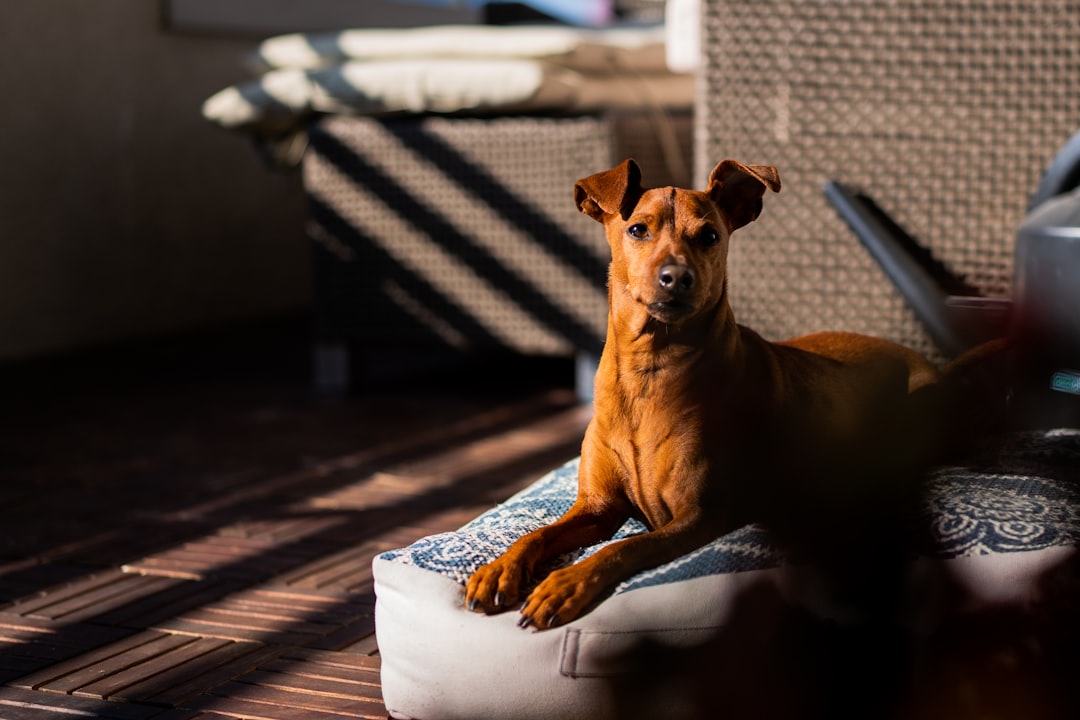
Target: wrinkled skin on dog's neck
{"x":658,"y":346}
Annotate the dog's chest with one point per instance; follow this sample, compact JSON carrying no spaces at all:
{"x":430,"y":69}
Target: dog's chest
{"x":663,"y":456}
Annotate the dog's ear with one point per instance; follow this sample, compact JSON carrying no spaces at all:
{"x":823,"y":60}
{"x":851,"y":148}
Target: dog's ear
{"x":612,"y":191}
{"x":737,"y":189}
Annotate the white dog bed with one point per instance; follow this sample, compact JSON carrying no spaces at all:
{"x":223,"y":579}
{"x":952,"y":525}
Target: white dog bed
{"x":999,"y":526}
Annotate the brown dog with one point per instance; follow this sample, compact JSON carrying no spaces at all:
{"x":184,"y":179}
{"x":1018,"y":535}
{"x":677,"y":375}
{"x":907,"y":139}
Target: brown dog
{"x":701,"y":425}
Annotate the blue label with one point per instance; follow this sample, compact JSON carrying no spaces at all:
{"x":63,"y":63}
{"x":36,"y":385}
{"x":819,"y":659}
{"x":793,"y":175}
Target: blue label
{"x":1064,"y":381}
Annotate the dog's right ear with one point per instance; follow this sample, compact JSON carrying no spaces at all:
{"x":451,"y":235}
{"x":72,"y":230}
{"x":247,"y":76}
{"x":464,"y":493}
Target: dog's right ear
{"x":612,"y":191}
{"x":737,"y":189}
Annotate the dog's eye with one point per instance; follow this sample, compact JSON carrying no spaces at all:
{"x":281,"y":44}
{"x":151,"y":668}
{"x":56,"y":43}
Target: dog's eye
{"x":709,"y":237}
{"x":638,"y":231}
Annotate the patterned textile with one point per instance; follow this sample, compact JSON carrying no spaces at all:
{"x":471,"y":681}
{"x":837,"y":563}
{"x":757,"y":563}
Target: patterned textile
{"x":1024,"y":495}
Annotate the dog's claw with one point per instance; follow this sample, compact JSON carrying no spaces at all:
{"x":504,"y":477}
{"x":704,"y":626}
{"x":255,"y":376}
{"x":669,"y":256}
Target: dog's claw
{"x":553,"y":621}
{"x":524,"y":621}
{"x":472,"y":605}
{"x":498,"y":599}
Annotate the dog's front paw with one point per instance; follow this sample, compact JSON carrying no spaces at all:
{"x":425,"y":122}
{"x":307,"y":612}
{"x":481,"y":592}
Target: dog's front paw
{"x":494,"y":587}
{"x":563,"y":596}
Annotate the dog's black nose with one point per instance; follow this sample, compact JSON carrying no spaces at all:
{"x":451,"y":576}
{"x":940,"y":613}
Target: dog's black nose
{"x":675,"y":278}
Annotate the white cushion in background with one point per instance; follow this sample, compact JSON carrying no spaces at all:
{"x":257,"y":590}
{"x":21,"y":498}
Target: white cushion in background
{"x":381,"y":87}
{"x":999,"y":531}
{"x":281,"y":98}
{"x":638,"y":47}
{"x":453,"y":69}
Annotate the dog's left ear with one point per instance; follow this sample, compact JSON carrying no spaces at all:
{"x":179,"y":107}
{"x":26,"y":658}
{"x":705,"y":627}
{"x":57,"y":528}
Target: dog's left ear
{"x":737,"y":189}
{"x":608,"y":192}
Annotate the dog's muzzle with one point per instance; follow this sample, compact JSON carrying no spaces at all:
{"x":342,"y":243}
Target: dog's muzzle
{"x":674,"y":283}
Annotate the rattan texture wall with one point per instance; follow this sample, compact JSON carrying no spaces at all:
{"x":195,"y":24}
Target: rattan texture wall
{"x":946,"y":113}
{"x":457,"y":233}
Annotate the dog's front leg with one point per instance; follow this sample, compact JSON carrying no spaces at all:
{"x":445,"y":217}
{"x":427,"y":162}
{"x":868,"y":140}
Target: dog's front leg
{"x":567,"y":593}
{"x":498,"y":585}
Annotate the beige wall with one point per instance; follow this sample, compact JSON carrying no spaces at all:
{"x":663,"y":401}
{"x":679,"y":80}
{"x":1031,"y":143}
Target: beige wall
{"x":123,"y":213}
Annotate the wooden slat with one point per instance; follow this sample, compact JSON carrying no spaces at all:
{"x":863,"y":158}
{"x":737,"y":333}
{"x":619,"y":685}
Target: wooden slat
{"x":498,"y":449}
{"x":346,"y":571}
{"x":233,"y":557}
{"x":119,"y":546}
{"x":28,"y":643}
{"x":130,"y":657}
{"x":156,"y":676}
{"x":56,"y":671}
{"x":157,"y":672}
{"x":242,"y":697}
{"x":82,"y":603}
{"x":441,"y":470}
{"x":348,"y":636}
{"x":347,"y":663}
{"x":179,"y":598}
{"x":92,"y":605}
{"x":398,"y":536}
{"x":170,"y":565}
{"x":309,"y":685}
{"x":285,"y":602}
{"x":152,"y":667}
{"x":320,"y":664}
{"x":86,"y":583}
{"x":257,"y":619}
{"x":285,"y":530}
{"x":445,"y":520}
{"x":188,"y":714}
{"x":367,"y":645}
{"x":197,"y":560}
{"x":377,"y":490}
{"x":19,"y":704}
{"x":84,"y":541}
{"x":272,"y":615}
{"x":199,"y":676}
{"x":26,"y":578}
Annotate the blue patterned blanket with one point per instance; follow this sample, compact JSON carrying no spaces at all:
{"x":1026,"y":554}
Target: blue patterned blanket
{"x":1022,"y":495}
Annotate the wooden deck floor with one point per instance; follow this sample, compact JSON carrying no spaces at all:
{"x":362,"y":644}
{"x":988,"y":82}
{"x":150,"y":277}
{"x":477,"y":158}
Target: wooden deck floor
{"x":180,"y":542}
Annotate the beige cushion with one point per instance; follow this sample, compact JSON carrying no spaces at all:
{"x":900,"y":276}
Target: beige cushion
{"x":453,"y":69}
{"x":282,"y":97}
{"x":638,"y":48}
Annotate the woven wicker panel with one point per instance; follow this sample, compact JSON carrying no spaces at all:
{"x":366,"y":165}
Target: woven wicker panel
{"x":458,"y":232}
{"x":661,"y":142}
{"x":946,"y":113}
